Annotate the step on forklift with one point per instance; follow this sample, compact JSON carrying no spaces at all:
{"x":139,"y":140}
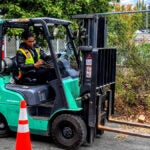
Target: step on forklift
{"x":72,"y":109}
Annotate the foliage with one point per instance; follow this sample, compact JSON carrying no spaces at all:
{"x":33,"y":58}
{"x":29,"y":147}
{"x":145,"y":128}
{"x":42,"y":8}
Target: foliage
{"x":133,"y":73}
{"x":63,"y":9}
{"x":142,"y":6}
{"x":51,"y":8}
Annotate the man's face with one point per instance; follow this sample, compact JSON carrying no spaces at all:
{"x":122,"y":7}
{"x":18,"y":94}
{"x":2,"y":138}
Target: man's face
{"x":30,"y":41}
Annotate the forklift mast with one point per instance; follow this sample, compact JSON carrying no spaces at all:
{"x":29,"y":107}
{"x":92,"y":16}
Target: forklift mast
{"x":97,"y":79}
{"x":92,"y":30}
{"x":98,"y":69}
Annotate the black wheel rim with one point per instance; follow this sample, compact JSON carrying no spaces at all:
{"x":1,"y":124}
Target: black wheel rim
{"x":67,"y":130}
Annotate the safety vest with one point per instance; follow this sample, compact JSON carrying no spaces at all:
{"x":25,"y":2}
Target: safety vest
{"x":29,"y":58}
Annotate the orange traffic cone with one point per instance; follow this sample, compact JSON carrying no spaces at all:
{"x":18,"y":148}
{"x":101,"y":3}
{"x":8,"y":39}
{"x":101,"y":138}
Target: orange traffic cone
{"x":23,"y":134}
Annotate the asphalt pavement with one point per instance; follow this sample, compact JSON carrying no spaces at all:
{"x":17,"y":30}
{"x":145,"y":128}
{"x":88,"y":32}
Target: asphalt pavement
{"x":108,"y":141}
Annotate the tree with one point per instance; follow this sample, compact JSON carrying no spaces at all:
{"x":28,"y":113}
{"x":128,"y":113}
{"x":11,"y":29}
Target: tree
{"x":122,"y":29}
{"x":52,"y":8}
{"x":142,"y":6}
{"x":133,"y":80}
{"x":62,"y":9}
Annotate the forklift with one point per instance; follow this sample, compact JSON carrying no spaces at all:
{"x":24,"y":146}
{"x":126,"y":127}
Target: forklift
{"x":72,"y":109}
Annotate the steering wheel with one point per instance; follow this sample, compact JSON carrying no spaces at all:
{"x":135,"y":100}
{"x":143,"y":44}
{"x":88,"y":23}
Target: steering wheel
{"x":47,"y":64}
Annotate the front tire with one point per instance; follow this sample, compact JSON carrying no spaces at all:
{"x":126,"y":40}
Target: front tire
{"x":4,"y":130}
{"x":69,"y":131}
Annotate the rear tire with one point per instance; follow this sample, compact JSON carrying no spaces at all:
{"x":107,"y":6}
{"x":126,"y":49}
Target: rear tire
{"x":4,"y":130}
{"x":69,"y":131}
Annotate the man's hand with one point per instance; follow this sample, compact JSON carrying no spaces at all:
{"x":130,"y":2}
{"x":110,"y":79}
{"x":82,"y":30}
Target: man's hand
{"x":38,"y":63}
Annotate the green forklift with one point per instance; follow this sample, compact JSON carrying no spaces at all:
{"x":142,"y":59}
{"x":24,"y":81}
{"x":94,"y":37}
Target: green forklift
{"x":72,"y":109}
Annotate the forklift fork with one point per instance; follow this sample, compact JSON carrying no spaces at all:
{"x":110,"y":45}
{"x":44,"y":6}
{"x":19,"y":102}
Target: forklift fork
{"x":111,"y":120}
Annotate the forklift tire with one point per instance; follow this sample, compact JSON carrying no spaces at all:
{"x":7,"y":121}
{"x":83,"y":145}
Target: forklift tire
{"x":69,"y":131}
{"x":4,"y":129}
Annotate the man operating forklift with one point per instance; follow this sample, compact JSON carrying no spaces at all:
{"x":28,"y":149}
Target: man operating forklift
{"x":30,"y":59}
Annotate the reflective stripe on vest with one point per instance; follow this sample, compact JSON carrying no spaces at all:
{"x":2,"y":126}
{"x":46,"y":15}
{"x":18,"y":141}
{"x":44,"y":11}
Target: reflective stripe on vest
{"x":28,"y":55}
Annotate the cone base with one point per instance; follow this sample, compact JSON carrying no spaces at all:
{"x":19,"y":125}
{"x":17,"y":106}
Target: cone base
{"x":23,"y":141}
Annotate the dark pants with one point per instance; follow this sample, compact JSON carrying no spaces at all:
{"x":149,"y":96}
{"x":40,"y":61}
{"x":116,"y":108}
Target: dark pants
{"x":39,"y":75}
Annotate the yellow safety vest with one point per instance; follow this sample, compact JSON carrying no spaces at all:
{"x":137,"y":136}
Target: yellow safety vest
{"x":29,"y":59}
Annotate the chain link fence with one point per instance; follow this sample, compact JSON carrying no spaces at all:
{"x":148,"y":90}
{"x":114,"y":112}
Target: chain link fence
{"x":12,"y":45}
{"x":129,"y":35}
